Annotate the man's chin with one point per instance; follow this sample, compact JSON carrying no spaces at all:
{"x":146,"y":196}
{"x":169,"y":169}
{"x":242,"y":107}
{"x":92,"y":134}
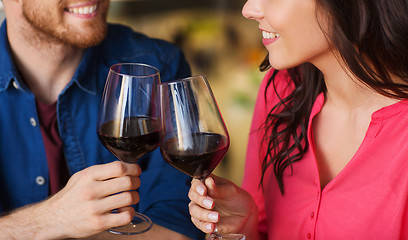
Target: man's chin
{"x":90,"y":40}
{"x":87,"y":44}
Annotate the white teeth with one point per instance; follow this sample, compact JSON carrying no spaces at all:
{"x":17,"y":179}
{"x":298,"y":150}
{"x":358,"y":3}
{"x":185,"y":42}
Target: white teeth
{"x":269,"y":35}
{"x":83,"y":10}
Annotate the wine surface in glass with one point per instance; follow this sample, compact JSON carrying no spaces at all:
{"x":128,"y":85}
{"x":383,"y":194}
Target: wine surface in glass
{"x":200,"y":159}
{"x":141,"y":136}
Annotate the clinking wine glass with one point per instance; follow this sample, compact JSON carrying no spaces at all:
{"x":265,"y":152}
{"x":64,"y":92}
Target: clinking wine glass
{"x":193,"y":137}
{"x":128,"y":124}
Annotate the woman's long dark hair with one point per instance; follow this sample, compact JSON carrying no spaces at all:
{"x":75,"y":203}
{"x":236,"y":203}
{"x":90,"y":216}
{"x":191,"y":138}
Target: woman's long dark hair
{"x":371,"y":38}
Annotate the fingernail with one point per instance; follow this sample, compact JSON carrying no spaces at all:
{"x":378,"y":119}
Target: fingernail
{"x":200,"y":190}
{"x":208,"y":226}
{"x":213,"y":216}
{"x":208,"y":203}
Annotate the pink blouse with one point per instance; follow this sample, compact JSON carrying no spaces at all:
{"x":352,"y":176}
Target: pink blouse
{"x":368,"y":199}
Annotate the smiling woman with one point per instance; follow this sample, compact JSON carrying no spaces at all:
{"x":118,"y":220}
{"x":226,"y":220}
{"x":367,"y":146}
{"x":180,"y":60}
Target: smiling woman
{"x":327,"y":147}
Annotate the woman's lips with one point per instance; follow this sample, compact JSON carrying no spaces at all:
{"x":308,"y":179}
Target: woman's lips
{"x":269,"y":37}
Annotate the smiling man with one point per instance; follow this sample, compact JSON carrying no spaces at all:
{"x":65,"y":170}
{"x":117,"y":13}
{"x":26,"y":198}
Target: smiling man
{"x":57,"y":180}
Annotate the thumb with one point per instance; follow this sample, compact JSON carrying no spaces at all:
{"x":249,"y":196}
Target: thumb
{"x":211,"y":187}
{"x":219,"y":188}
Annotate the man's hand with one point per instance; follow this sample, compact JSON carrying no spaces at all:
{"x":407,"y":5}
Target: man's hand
{"x":82,"y":208}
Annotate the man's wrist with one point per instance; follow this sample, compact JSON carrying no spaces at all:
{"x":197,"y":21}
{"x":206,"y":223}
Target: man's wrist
{"x":29,"y":222}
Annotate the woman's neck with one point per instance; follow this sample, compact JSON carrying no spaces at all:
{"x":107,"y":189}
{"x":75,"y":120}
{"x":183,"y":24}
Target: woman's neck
{"x":345,"y":91}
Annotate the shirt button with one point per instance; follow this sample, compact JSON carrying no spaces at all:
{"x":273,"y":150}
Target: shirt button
{"x":309,"y":236}
{"x":40,"y":180}
{"x":33,"y":122}
{"x":15,"y":85}
{"x":312,"y":215}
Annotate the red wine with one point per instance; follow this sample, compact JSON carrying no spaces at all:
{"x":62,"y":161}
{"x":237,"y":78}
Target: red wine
{"x":198,"y":160}
{"x":140,"y":135}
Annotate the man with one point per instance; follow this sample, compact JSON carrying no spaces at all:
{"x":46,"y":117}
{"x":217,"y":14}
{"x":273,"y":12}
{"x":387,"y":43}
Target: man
{"x":54,"y":59}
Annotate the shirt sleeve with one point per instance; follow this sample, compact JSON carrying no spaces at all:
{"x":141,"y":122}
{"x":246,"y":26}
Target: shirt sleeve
{"x":256,"y":150}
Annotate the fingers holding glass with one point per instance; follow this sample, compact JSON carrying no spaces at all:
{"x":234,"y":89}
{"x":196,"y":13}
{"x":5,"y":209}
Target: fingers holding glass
{"x":194,"y":139}
{"x":128,"y":123}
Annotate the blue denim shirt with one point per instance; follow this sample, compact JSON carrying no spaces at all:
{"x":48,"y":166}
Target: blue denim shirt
{"x":23,"y":164}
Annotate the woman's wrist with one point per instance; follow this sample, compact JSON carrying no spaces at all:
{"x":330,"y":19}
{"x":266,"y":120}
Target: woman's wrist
{"x":250,"y":229}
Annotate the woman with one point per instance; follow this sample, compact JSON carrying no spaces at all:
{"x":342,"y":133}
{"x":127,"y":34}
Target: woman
{"x":328,"y":152}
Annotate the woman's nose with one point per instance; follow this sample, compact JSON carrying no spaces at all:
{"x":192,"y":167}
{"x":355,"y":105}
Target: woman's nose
{"x":252,"y":10}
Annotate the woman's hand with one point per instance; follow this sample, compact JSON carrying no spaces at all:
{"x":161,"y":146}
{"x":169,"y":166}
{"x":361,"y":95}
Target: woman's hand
{"x":218,"y":203}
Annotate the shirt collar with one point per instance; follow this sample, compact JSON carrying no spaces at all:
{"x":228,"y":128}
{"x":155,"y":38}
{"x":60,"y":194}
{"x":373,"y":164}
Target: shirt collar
{"x":8,"y":71}
{"x":86,"y":72}
{"x":83,"y":77}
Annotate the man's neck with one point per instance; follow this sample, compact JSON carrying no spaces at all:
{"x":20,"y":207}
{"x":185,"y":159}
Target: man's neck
{"x":46,"y":66}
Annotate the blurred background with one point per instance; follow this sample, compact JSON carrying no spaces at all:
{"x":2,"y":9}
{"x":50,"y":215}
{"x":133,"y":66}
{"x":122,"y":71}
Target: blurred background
{"x":220,"y":44}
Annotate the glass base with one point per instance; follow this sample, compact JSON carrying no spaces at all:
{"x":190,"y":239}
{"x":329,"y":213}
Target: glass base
{"x":215,"y":236}
{"x":140,"y":224}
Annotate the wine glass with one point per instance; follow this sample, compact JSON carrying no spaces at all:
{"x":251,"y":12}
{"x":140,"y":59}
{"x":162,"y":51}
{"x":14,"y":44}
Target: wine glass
{"x":128,"y":124}
{"x":193,"y":137}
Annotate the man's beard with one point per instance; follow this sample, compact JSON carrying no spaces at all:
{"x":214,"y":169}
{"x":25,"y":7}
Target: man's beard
{"x":51,"y":29}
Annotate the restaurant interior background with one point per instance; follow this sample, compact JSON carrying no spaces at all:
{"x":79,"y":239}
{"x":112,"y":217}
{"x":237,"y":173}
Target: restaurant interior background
{"x":220,"y":44}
